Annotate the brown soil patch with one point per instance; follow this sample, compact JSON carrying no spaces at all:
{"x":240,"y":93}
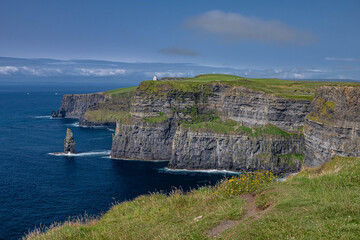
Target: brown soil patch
{"x":251,"y":212}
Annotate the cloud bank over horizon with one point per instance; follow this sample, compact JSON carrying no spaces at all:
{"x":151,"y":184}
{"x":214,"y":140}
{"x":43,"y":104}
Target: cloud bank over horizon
{"x":236,"y":27}
{"x":108,"y":70}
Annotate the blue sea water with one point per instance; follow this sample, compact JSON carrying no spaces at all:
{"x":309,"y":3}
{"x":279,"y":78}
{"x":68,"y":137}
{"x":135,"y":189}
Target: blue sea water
{"x":37,"y":188}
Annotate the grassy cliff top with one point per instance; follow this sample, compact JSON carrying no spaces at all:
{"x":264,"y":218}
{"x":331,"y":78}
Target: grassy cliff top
{"x":121,"y":91}
{"x":283,"y":88}
{"x":320,"y":203}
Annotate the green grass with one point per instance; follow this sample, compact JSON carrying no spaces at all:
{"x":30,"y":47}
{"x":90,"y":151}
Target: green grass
{"x":121,"y":90}
{"x":283,"y":88}
{"x":290,"y":158}
{"x":115,"y":108}
{"x":155,"y":119}
{"x":321,"y":203}
{"x":323,"y":111}
{"x":104,"y":115}
{"x":317,"y":204}
{"x":232,"y":127}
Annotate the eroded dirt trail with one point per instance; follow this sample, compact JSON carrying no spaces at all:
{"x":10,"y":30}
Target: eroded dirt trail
{"x":251,"y":212}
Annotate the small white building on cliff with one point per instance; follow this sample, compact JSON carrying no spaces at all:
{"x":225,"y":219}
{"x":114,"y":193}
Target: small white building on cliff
{"x":155,"y":78}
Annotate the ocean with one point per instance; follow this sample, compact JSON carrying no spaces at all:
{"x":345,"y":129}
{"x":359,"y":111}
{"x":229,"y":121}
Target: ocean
{"x":38,"y":188}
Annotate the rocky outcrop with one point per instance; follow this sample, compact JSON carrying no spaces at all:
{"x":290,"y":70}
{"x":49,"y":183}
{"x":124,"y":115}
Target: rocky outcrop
{"x":75,"y":105}
{"x":333,"y":125}
{"x":144,"y":141}
{"x":237,"y":152}
{"x":69,"y":142}
{"x":136,"y":139}
{"x":247,"y":106}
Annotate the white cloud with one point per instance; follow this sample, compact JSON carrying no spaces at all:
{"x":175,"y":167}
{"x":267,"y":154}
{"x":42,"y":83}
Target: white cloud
{"x":32,"y":71}
{"x":8,"y":70}
{"x":341,"y":59}
{"x":101,"y":72}
{"x":235,"y":27}
{"x":170,"y":73}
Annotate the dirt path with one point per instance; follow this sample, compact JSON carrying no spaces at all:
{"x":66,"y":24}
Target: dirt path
{"x":251,"y":212}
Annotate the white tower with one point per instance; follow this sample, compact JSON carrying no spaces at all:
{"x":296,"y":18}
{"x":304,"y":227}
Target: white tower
{"x":155,"y":78}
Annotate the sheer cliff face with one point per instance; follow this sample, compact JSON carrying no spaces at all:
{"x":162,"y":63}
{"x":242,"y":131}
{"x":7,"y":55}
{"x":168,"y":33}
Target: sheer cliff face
{"x":136,"y":139}
{"x":333,"y":125}
{"x":237,"y":152}
{"x":246,"y":106}
{"x":75,"y":105}
{"x":143,"y":141}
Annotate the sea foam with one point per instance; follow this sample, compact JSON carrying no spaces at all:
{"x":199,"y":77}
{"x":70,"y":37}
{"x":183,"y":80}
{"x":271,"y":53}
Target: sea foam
{"x":216,"y":171}
{"x":94,"y":153}
{"x":46,"y":117}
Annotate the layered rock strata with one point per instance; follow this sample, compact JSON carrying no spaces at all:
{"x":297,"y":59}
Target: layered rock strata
{"x":333,"y":125}
{"x":144,"y":141}
{"x":237,"y":152}
{"x":75,"y":105}
{"x":247,"y":106}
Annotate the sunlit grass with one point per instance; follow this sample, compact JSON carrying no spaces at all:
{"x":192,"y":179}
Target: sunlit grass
{"x":283,"y":88}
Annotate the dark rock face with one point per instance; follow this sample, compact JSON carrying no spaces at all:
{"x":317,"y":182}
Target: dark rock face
{"x":207,"y":150}
{"x":143,"y":141}
{"x":333,"y":125}
{"x":75,"y":105}
{"x":246,"y":106}
{"x":199,"y":150}
{"x":69,"y":142}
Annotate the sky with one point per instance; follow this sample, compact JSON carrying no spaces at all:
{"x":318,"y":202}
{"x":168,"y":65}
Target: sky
{"x":255,"y":38}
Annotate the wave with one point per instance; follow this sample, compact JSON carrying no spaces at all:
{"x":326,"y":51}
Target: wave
{"x":77,"y":124}
{"x":216,"y":171}
{"x":47,"y":117}
{"x":94,"y":153}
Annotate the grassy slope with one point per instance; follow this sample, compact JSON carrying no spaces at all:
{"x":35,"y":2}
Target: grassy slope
{"x":320,"y":203}
{"x":116,"y":108}
{"x":287,"y":89}
{"x":232,"y":127}
{"x":121,"y":90}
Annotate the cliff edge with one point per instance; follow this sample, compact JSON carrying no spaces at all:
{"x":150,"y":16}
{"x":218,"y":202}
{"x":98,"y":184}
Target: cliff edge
{"x":227,"y":122}
{"x":332,"y":127}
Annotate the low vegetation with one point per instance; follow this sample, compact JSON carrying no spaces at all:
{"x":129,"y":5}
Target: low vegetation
{"x":232,"y":127}
{"x":244,"y":183}
{"x":323,"y":111}
{"x":321,"y":203}
{"x":283,"y":88}
{"x":121,"y":91}
{"x":155,"y":119}
{"x":199,"y":89}
{"x":115,"y":108}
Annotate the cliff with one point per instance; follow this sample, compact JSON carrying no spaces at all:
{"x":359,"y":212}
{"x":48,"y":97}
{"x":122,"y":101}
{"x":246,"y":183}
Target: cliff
{"x":245,"y":105}
{"x":236,"y":152}
{"x":96,"y":108}
{"x":75,"y":105}
{"x":227,"y":122}
{"x":159,"y":112}
{"x":141,"y":140}
{"x":333,"y":125}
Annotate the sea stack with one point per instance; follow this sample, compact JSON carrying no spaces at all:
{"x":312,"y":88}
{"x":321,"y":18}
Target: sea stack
{"x":69,"y":142}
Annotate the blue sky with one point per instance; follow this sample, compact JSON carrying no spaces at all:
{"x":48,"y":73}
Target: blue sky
{"x":285,"y":39}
